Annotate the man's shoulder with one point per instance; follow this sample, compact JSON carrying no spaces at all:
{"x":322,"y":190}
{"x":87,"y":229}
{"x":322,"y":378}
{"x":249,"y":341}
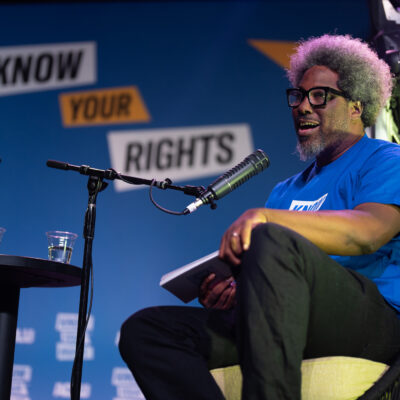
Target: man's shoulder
{"x":381,"y":147}
{"x":378,"y":154}
{"x":367,"y":154}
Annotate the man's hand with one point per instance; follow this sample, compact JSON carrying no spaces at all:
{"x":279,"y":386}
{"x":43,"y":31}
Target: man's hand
{"x":236,"y":239}
{"x":217,"y":294}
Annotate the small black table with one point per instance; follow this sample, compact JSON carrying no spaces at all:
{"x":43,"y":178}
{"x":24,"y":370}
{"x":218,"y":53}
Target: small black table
{"x":22,"y":272}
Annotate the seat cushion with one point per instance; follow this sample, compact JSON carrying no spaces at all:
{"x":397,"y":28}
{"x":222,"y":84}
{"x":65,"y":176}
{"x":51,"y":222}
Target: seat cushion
{"x":327,"y":378}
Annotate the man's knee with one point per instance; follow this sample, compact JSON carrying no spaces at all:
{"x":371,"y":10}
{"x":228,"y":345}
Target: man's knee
{"x":271,"y":234}
{"x":133,"y":331}
{"x":273,"y":244}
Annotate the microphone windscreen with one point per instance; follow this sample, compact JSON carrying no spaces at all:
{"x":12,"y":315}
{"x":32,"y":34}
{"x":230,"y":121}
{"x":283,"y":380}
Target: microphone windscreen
{"x":57,"y":164}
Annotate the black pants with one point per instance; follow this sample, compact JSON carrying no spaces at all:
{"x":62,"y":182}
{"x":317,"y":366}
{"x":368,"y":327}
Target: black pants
{"x":293,"y":302}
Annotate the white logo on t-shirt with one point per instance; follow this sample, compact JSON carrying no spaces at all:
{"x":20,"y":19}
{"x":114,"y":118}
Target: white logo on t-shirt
{"x":302,"y":205}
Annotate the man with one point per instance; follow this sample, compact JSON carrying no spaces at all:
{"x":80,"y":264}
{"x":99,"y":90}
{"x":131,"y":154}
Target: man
{"x":317,"y":270}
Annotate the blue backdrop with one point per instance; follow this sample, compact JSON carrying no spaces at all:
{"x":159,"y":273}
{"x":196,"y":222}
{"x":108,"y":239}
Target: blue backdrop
{"x":191,"y":65}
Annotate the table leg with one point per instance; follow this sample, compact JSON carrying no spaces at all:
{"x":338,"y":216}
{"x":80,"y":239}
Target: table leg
{"x":9,"y":300}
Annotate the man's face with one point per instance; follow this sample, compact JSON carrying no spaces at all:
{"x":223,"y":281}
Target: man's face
{"x":321,"y":129}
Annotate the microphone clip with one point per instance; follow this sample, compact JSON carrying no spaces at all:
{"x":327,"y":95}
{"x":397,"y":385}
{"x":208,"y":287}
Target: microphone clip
{"x":213,"y":204}
{"x":195,"y":191}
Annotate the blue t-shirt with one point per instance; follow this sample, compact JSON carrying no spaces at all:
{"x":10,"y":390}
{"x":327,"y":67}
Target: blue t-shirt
{"x":367,"y":172}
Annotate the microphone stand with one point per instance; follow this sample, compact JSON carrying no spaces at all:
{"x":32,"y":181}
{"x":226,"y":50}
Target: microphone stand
{"x":95,"y":185}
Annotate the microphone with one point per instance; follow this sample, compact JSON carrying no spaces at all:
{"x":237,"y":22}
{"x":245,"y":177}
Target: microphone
{"x":250,"y":166}
{"x":57,"y":164}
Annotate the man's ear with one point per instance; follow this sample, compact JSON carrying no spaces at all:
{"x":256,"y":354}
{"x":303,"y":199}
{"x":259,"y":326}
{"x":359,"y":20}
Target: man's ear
{"x":356,"y":109}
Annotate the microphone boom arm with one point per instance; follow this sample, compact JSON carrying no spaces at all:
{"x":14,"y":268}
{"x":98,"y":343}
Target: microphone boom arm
{"x":111,"y":174}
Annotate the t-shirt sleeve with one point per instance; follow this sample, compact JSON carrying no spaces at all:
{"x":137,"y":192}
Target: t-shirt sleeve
{"x":379,"y":179}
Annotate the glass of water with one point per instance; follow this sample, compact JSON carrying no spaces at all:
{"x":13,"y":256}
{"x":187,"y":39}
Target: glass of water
{"x":60,"y":245}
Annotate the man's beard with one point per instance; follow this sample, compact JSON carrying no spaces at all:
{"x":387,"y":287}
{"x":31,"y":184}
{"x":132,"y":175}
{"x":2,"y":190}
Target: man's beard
{"x":310,"y":147}
{"x":315,"y":145}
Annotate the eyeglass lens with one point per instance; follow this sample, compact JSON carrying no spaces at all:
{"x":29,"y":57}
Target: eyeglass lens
{"x":316,"y":97}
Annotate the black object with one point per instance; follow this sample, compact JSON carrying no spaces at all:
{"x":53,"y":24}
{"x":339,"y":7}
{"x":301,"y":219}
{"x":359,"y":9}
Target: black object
{"x":23,"y":272}
{"x":386,"y":34}
{"x":317,"y":96}
{"x":395,"y":3}
{"x":386,"y":41}
{"x":387,"y":387}
{"x":112,"y":174}
{"x":95,"y":185}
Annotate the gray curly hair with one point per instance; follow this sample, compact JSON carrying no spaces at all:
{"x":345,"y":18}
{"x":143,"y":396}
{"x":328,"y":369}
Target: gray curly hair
{"x":362,"y":75}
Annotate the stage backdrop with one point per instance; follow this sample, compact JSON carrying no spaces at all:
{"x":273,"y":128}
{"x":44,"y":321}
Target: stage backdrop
{"x":181,"y":90}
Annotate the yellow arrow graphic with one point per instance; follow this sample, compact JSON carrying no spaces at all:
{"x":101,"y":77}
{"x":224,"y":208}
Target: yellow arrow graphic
{"x":278,"y":51}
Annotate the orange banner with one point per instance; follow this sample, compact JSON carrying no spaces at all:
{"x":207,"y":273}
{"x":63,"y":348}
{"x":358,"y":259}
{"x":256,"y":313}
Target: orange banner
{"x":277,"y":50}
{"x":101,"y":107}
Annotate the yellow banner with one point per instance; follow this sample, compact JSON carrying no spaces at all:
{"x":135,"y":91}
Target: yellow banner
{"x":101,"y":107}
{"x":278,"y":51}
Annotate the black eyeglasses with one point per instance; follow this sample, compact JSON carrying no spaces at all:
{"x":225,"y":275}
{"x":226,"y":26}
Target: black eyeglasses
{"x":317,"y":96}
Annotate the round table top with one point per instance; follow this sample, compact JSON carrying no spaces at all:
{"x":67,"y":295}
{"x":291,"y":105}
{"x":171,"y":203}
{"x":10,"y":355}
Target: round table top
{"x":26,"y":272}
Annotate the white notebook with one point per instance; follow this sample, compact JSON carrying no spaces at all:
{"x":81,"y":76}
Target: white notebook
{"x":184,"y":282}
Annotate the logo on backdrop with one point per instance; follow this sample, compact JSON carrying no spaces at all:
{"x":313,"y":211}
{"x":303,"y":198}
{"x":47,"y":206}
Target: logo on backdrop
{"x":106,"y":106}
{"x":21,"y":377}
{"x":125,"y":385}
{"x":34,"y":68}
{"x":62,"y":390}
{"x":25,"y":336}
{"x":66,"y":324}
{"x":178,"y":153}
{"x":302,"y":205}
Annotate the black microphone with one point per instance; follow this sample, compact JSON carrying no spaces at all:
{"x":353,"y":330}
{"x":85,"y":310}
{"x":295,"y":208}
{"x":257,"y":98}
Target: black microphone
{"x":250,"y":166}
{"x":57,"y":164}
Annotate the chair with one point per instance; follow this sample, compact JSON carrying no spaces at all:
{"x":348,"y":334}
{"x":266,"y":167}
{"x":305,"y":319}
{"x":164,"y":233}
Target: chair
{"x":330,"y":378}
{"x":388,"y":386}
